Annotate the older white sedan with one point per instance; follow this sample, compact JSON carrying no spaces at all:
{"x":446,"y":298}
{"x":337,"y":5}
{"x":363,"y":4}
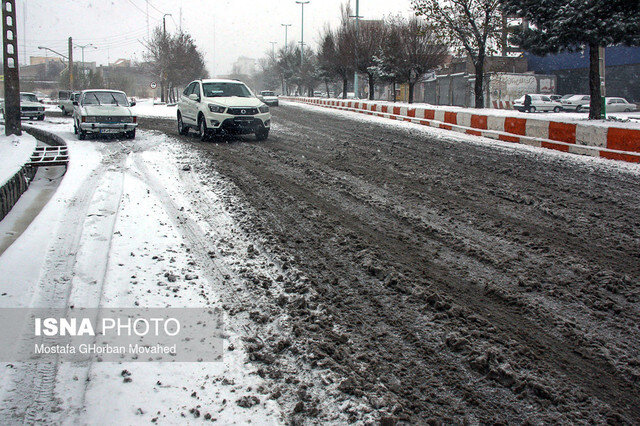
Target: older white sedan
{"x":619,"y":105}
{"x":104,"y":112}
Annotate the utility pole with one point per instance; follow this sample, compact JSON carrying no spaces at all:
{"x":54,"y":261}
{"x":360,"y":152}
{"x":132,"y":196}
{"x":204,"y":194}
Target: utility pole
{"x":286,"y":34}
{"x":164,"y":38}
{"x":302,"y":3}
{"x":356,"y":83}
{"x":24,"y":31}
{"x":11,"y":70}
{"x":70,"y":64}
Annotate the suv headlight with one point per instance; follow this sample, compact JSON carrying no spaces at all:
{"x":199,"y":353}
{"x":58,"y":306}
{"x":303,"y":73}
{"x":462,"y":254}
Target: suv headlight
{"x":263,"y":109}
{"x":217,"y":109}
{"x":90,"y":119}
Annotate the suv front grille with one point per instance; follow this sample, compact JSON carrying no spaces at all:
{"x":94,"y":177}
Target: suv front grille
{"x":30,"y":109}
{"x":242,"y":111}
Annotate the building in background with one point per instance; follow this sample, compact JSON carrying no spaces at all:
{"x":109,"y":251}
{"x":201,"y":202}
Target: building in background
{"x":622,"y":74}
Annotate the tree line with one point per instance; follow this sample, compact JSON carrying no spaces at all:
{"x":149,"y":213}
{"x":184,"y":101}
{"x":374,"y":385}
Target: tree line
{"x":398,"y":50}
{"x":395,"y":50}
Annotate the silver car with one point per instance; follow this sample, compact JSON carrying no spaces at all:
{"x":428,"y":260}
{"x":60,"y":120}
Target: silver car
{"x":578,"y":103}
{"x":619,"y":105}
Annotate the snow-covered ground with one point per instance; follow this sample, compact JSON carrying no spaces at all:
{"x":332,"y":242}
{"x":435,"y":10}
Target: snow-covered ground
{"x":119,"y":233}
{"x":147,"y":108}
{"x":15,"y":152}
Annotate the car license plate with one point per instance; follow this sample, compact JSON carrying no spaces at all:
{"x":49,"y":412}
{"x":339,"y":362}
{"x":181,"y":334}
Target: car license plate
{"x":110,"y":131}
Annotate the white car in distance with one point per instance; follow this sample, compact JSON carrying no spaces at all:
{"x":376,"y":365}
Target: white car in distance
{"x":538,"y":103}
{"x":269,"y":98}
{"x":619,"y":105}
{"x":222,"y":106}
{"x":105,"y":112}
{"x":30,"y":107}
{"x":577,"y":103}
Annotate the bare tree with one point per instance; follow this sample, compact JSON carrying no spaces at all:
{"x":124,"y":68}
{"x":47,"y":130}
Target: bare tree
{"x":473,"y":26}
{"x":368,"y":40}
{"x":175,"y":59}
{"x":420,"y":51}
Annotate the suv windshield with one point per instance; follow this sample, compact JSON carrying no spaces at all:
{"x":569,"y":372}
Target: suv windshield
{"x":28,"y":97}
{"x":215,"y":90}
{"x":267,"y":93}
{"x":105,"y":98}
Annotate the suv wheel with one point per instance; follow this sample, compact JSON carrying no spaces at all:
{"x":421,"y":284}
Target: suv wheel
{"x":182,"y":129}
{"x":556,"y":109}
{"x":203,"y":132}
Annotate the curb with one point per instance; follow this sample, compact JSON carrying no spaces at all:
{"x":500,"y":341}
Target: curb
{"x":13,"y":189}
{"x":576,"y":138}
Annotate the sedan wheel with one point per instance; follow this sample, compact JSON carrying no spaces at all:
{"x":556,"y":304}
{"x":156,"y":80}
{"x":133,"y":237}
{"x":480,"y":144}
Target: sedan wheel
{"x":556,"y":109}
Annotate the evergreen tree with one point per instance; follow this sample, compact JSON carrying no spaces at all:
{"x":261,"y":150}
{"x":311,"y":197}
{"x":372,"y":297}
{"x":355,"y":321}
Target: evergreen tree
{"x":561,"y":25}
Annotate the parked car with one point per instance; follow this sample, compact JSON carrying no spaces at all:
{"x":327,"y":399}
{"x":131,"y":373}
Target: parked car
{"x":619,"y":105}
{"x":576,"y":103}
{"x":538,"y":103}
{"x":66,"y":99}
{"x":222,"y":106}
{"x":30,"y":107}
{"x":104,"y":112}
{"x":269,"y":98}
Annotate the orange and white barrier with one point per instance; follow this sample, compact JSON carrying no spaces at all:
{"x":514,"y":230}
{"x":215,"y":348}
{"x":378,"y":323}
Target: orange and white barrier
{"x":617,"y":143}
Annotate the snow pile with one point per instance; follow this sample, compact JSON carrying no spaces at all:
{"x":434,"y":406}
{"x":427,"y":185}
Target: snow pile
{"x":147,"y":108}
{"x":15,"y":152}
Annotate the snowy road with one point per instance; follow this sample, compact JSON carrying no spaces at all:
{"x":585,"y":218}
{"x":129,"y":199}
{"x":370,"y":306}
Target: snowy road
{"x":446,"y":277}
{"x":368,"y":271}
{"x":116,"y":234}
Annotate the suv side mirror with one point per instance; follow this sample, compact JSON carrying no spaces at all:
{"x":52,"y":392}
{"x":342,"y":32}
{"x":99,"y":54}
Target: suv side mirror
{"x":75,"y":103}
{"x":194,"y":97}
{"x":132,"y":103}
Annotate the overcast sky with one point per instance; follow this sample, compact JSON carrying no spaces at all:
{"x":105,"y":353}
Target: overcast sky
{"x":240,"y":27}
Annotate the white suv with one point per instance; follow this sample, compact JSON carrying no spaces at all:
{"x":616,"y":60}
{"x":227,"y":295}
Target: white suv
{"x":222,"y":106}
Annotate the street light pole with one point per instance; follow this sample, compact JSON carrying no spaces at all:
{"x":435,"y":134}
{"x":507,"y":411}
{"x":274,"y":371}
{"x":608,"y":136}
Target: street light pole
{"x":302,"y":3}
{"x":82,"y":48}
{"x":356,"y":83}
{"x":286,"y":31}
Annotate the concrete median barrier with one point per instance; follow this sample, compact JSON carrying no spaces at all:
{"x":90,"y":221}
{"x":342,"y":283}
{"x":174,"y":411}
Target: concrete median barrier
{"x":593,"y":139}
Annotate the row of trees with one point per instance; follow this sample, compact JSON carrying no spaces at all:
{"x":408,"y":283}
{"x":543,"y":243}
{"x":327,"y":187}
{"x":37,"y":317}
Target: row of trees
{"x":399,"y":50}
{"x":395,"y":50}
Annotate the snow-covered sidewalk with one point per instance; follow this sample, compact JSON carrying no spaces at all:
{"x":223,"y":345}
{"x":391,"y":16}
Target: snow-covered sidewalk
{"x":116,"y":234}
{"x":15,"y":152}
